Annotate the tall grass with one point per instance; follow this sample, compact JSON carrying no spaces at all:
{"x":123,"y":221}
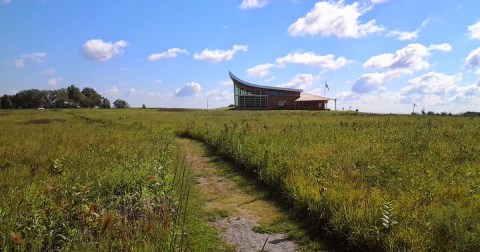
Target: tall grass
{"x":107,"y":180}
{"x":380,"y":182}
{"x":88,"y":180}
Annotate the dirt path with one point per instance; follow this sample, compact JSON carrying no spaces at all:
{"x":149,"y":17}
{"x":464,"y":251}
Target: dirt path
{"x":236,"y":208}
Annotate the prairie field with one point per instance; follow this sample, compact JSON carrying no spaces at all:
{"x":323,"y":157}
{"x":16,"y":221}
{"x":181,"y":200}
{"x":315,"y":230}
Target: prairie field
{"x":110,"y":179}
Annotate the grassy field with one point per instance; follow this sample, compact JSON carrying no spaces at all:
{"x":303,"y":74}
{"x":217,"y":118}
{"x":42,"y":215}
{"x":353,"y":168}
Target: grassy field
{"x":110,"y":179}
{"x":89,"y":180}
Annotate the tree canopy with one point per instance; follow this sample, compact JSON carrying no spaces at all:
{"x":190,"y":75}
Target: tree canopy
{"x":70,"y":97}
{"x":119,"y":103}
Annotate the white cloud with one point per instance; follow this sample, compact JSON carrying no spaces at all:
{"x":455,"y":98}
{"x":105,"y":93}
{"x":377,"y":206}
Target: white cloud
{"x":100,"y":51}
{"x":473,"y":59}
{"x":226,"y":83}
{"x":131,"y":91}
{"x":435,"y":88}
{"x":412,"y":57}
{"x":190,"y":89}
{"x":378,"y":1}
{"x":114,"y":91}
{"x":261,"y":70}
{"x":170,"y":53}
{"x":6,"y":1}
{"x":432,"y":83}
{"x":20,"y":62}
{"x":334,"y":19}
{"x":220,"y":55}
{"x":403,"y":36}
{"x":253,"y":4}
{"x":220,"y":95}
{"x":54,"y":81}
{"x":311,"y":59}
{"x":375,"y":81}
{"x":300,"y":81}
{"x":474,"y":30}
{"x":49,"y":71}
{"x":158,"y":94}
{"x":440,"y":47}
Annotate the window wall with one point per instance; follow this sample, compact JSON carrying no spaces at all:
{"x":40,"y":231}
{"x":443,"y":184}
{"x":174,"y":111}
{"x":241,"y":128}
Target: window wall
{"x":249,"y":98}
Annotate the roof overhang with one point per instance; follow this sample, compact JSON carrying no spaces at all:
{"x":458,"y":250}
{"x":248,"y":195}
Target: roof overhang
{"x":235,"y":78}
{"x":312,"y":97}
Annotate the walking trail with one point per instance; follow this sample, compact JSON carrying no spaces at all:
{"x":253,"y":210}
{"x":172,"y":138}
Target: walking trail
{"x":236,"y":206}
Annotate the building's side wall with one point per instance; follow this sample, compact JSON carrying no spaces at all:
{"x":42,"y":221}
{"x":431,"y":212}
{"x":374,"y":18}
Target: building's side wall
{"x":272,"y":96}
{"x":289,"y":101}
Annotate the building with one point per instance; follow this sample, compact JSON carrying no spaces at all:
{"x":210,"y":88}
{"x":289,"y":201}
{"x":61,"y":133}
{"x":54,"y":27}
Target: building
{"x":252,"y":96}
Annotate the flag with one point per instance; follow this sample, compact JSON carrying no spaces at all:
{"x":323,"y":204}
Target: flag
{"x":326,"y":86}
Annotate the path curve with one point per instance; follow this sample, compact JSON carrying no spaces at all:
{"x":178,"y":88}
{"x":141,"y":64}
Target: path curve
{"x":239,"y":209}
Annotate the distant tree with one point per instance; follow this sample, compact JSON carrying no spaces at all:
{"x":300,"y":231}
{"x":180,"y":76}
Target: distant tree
{"x":90,"y":98}
{"x":423,"y":111}
{"x":105,"y":103}
{"x":75,"y":95}
{"x":58,"y":98}
{"x":6,"y":102}
{"x":120,"y":104}
{"x":143,"y":106}
{"x":31,"y":98}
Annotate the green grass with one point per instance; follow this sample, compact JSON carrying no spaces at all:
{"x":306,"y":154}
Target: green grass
{"x":380,"y":182}
{"x":377,"y":182}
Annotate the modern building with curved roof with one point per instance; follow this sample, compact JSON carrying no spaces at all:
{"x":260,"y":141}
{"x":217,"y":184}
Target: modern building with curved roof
{"x":253,"y":96}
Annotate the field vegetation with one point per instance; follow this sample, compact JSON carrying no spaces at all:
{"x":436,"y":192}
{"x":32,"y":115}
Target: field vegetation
{"x":378,"y":182}
{"x":110,"y":179}
{"x":89,"y":180}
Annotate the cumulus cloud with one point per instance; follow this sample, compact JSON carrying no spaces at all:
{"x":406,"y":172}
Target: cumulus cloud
{"x":220,"y":95}
{"x":403,"y":36}
{"x":378,"y":1}
{"x":438,"y":88}
{"x":114,"y":91}
{"x":432,"y":83}
{"x":412,"y":57}
{"x":170,"y":53}
{"x":131,"y":91}
{"x":38,"y":57}
{"x":473,"y":59}
{"x":49,"y":71}
{"x":190,"y":89}
{"x":375,"y":81}
{"x":100,"y":51}
{"x":334,"y":19}
{"x":220,"y":55}
{"x":253,"y":4}
{"x":474,"y":30}
{"x":54,"y":81}
{"x":261,"y":70}
{"x":311,"y":59}
{"x":226,"y":83}
{"x":440,"y":47}
{"x":300,"y":81}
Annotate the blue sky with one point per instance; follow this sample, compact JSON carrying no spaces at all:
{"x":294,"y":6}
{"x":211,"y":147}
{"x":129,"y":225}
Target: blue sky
{"x":376,"y":55}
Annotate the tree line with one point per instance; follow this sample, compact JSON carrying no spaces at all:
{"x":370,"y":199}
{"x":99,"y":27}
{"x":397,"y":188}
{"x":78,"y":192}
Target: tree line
{"x":70,"y":97}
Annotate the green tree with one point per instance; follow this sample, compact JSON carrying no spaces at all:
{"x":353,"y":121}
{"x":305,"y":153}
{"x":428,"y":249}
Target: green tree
{"x":90,"y":98}
{"x":119,"y":103}
{"x":75,"y":95}
{"x":105,"y":103}
{"x":6,"y":102}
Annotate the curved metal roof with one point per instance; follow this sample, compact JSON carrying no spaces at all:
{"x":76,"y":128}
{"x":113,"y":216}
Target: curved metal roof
{"x":235,"y":78}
